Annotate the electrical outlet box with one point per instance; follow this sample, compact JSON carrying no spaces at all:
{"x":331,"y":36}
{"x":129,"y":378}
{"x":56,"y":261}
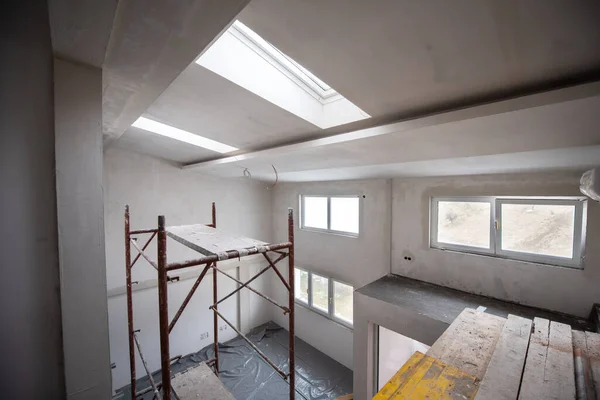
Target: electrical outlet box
{"x":204,"y":336}
{"x":223,"y":328}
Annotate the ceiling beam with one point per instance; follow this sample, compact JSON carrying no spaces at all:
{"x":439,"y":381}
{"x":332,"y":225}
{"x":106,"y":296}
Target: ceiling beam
{"x":484,"y":110}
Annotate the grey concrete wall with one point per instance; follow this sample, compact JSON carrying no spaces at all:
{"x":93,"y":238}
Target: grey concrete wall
{"x":30,"y":331}
{"x":152,"y":187}
{"x":356,"y":261}
{"x":78,"y":126}
{"x":370,"y":313}
{"x":567,"y":290}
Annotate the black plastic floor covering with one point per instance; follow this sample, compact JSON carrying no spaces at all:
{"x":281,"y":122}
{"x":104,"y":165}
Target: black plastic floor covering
{"x":248,"y":376}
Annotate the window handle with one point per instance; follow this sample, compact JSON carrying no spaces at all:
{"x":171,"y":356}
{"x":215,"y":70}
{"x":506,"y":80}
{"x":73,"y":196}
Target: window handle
{"x":496,"y":224}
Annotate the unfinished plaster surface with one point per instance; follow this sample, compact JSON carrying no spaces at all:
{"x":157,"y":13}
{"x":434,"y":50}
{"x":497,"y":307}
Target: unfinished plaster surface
{"x":356,"y":261}
{"x":404,"y":57}
{"x":155,"y":187}
{"x":148,"y":49}
{"x":572,"y":291}
{"x":539,"y":131}
{"x":78,"y":124}
{"x":30,"y":333}
{"x":80,"y":31}
{"x":420,"y":311}
{"x":370,"y":312}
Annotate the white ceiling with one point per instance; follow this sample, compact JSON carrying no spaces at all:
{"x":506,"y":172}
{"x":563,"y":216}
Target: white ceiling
{"x":398,"y":60}
{"x":556,"y":125}
{"x":141,"y":46}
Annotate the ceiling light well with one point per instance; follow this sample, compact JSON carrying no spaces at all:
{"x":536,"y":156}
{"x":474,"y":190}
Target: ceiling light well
{"x":241,"y":56}
{"x":181,"y":135}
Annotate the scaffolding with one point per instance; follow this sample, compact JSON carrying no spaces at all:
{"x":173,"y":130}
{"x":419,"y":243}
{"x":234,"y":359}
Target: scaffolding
{"x":201,"y":238}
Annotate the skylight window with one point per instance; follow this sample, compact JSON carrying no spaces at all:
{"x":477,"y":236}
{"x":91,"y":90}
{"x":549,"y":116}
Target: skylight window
{"x":303,"y":77}
{"x":246,"y":59}
{"x":181,"y":135}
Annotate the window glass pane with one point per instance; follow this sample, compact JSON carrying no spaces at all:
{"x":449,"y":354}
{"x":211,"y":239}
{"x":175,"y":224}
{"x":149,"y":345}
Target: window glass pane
{"x":320,"y":292}
{"x":315,"y":212}
{"x":538,"y":229}
{"x":301,"y":285}
{"x":342,"y":301}
{"x":344,"y":214}
{"x":464,"y":223}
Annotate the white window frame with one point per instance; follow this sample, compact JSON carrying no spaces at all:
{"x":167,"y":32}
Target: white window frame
{"x":329,"y":230}
{"x":495,"y":246}
{"x":459,"y":247}
{"x":329,"y":314}
{"x":309,"y":291}
{"x":302,"y":77}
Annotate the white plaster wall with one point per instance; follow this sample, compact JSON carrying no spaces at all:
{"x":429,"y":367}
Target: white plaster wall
{"x":356,"y":261}
{"x":152,"y":187}
{"x":78,"y":127}
{"x":394,"y":350}
{"x":30,"y":333}
{"x":560,"y":289}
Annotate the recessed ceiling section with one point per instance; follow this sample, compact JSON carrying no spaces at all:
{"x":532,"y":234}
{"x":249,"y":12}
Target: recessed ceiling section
{"x":141,"y":141}
{"x":246,"y":59}
{"x":468,"y":135}
{"x":565,"y":159}
{"x":203,"y":102}
{"x":181,"y":135}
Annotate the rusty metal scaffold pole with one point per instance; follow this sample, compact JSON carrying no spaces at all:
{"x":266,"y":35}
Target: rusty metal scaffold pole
{"x":210,"y":262}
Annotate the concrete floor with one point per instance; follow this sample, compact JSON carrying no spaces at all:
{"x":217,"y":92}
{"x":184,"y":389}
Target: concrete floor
{"x":247,"y":376}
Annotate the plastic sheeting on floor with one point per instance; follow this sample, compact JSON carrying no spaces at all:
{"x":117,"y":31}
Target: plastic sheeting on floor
{"x":248,"y":376}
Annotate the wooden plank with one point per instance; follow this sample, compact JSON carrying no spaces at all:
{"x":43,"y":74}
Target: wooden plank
{"x":533,"y":374}
{"x":399,"y":377}
{"x":503,"y":375}
{"x":209,"y":241}
{"x":593,"y":347}
{"x":469,"y":342}
{"x":560,"y":370}
{"x":423,"y":377}
{"x":549,"y":370}
{"x":584,"y":384}
{"x":200,"y":383}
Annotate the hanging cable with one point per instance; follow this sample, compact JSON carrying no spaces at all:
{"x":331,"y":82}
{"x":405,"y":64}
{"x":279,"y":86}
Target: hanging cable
{"x":276,"y":176}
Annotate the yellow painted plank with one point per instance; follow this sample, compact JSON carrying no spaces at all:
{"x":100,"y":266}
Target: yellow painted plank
{"x":411,"y":384}
{"x":418,"y":389}
{"x":399,"y":377}
{"x":423,"y":377}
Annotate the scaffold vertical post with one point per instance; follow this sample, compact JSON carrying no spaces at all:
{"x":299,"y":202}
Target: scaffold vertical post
{"x":291,"y":298}
{"x":128,"y":284}
{"x":215,"y":299}
{"x":163,"y":306}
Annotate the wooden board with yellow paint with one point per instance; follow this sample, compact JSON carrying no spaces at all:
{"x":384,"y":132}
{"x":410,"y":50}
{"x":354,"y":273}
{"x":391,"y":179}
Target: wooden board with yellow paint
{"x":424,"y":377}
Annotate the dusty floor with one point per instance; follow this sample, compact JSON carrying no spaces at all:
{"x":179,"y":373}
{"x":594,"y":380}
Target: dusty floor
{"x":247,"y":376}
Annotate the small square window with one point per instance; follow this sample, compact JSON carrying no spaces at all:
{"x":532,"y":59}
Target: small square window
{"x":315,"y":212}
{"x":343,"y":301}
{"x":344,"y":214}
{"x":320,"y":293}
{"x":301,"y":285}
{"x":336,"y":214}
{"x":537,"y":228}
{"x":465,"y":223}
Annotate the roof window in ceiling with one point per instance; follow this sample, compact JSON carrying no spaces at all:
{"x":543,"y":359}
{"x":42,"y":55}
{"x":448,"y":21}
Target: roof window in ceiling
{"x":181,"y":135}
{"x":241,"y":56}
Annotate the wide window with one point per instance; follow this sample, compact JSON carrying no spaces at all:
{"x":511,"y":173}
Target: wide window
{"x":549,"y":230}
{"x":336,"y":214}
{"x":329,"y":297}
